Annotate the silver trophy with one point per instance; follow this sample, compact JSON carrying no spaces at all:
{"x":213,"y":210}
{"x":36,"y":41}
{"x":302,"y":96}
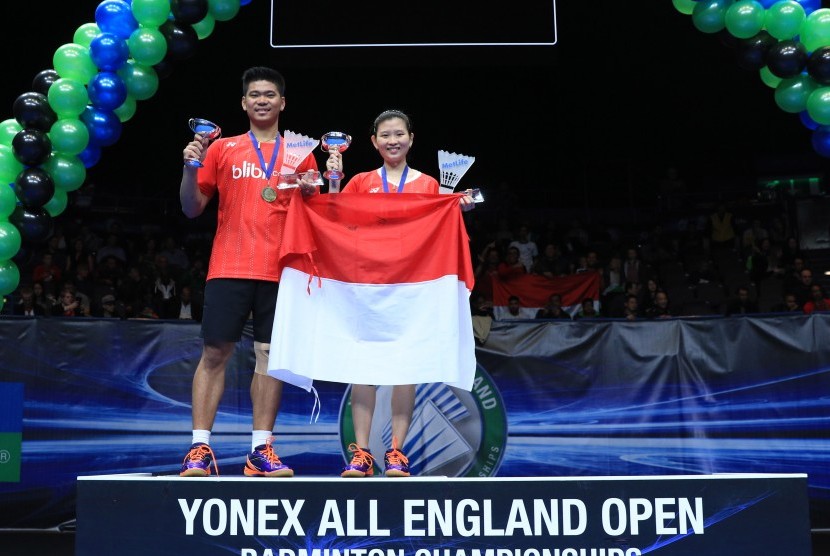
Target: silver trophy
{"x":206,"y":129}
{"x":336,"y":141}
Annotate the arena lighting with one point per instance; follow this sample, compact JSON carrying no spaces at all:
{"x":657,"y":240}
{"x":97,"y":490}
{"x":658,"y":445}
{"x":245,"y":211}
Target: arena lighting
{"x":423,"y":23}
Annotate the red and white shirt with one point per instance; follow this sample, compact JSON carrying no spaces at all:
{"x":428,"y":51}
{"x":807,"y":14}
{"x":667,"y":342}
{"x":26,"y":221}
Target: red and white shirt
{"x":249,"y":229}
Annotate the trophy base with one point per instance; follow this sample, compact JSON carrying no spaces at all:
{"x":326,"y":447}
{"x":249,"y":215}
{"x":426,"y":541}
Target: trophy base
{"x":333,"y":175}
{"x":193,"y":163}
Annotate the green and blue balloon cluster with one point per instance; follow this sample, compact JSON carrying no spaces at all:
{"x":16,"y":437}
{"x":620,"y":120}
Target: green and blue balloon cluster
{"x":77,"y":107}
{"x":787,"y":42}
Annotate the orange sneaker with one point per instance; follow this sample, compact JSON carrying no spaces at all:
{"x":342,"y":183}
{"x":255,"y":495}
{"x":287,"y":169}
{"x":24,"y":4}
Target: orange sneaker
{"x":362,"y":464}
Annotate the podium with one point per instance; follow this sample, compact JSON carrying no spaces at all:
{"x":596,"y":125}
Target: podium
{"x":680,"y":515}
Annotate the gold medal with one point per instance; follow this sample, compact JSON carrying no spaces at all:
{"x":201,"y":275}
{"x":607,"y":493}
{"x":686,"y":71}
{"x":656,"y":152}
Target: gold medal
{"x":269,"y":194}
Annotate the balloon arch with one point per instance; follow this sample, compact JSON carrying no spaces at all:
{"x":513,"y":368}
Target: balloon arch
{"x":78,"y":107}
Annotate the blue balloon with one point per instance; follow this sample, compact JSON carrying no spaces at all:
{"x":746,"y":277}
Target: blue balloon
{"x":821,"y":141}
{"x":808,"y":122}
{"x":90,"y":155}
{"x":109,"y":51}
{"x":116,"y":17}
{"x":809,"y":5}
{"x":107,"y":91}
{"x":103,"y":125}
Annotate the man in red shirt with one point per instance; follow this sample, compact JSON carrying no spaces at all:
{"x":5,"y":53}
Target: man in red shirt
{"x":242,"y":278}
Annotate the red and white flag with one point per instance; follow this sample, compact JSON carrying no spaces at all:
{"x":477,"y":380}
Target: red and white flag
{"x":375,"y":290}
{"x":534,"y":290}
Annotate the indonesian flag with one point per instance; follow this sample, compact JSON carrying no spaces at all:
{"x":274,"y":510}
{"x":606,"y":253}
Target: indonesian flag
{"x":374,"y":289}
{"x":533,"y":290}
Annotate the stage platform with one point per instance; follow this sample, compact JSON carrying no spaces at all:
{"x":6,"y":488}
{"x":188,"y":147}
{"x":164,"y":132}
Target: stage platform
{"x":735,"y":514}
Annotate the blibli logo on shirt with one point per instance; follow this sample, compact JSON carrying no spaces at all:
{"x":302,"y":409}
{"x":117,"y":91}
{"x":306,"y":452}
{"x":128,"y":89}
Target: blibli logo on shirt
{"x":248,"y":170}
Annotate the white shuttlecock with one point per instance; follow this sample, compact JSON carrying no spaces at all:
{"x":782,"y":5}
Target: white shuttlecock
{"x":452,"y":166}
{"x":296,"y":148}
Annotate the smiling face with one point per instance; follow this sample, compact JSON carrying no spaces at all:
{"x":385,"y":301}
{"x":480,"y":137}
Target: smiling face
{"x":393,"y":140}
{"x":263,"y":103}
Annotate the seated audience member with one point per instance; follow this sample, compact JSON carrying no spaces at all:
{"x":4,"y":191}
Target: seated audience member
{"x":553,"y":309}
{"x":818,"y":301}
{"x":514,"y":308}
{"x":742,"y":303}
{"x":660,"y":309}
{"x":588,"y":310}
{"x":68,"y":305}
{"x":631,"y":308}
{"x":26,"y":305}
{"x":789,"y":304}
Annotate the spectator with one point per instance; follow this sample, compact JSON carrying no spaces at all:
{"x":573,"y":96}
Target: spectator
{"x":631,"y":307}
{"x":789,"y":304}
{"x":528,"y":251}
{"x":818,"y":301}
{"x":107,"y":307}
{"x":511,"y":266}
{"x":47,"y":273}
{"x":112,"y":248}
{"x":588,"y":310}
{"x":661,"y":308}
{"x":68,"y":305}
{"x":552,"y":263}
{"x":514,"y":308}
{"x":26,"y":305}
{"x":742,"y":303}
{"x":189,"y":308}
{"x":721,"y":229}
{"x":553,"y":309}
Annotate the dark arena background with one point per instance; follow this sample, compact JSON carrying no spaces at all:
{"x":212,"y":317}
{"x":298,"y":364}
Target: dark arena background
{"x":600,"y":127}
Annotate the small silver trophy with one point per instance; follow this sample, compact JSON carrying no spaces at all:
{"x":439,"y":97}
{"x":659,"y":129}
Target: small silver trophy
{"x":206,"y":129}
{"x":336,"y":141}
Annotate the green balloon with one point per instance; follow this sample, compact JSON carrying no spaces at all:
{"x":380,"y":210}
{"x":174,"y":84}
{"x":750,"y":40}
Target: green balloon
{"x":68,"y":97}
{"x":684,"y":6}
{"x":792,"y":94}
{"x":205,"y":27}
{"x":223,"y":10}
{"x":815,"y":32}
{"x":9,"y":165}
{"x":57,"y":204}
{"x":784,"y":19}
{"x":69,"y":136}
{"x":72,"y":61}
{"x":770,"y":79}
{"x":84,"y":35}
{"x":744,"y":19}
{"x":126,"y":110}
{"x":67,"y":171}
{"x":8,"y":129}
{"x":151,"y":13}
{"x":141,"y":81}
{"x":9,"y":240}
{"x":709,"y":16}
{"x":147,"y":46}
{"x":9,"y":277}
{"x":818,"y":105}
{"x":8,"y":201}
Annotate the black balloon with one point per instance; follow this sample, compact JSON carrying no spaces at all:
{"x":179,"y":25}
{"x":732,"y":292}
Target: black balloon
{"x":35,"y":226}
{"x":164,"y":69}
{"x":182,"y":40}
{"x":818,"y":66}
{"x":24,"y":256}
{"x":34,"y":187}
{"x":751,"y":53}
{"x":32,"y":110}
{"x":189,"y":11}
{"x":787,"y":59}
{"x":44,"y":80}
{"x":31,"y":147}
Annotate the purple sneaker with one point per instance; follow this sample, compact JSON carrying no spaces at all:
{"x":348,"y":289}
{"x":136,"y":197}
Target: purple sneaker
{"x":198,"y":460}
{"x":362,"y":464}
{"x":397,"y":464}
{"x":264,"y":462}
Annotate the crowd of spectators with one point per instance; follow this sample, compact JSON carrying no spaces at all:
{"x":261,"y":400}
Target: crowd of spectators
{"x":715,"y":259}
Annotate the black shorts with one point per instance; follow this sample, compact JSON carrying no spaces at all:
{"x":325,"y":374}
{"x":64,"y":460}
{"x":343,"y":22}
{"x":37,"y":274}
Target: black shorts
{"x":229,"y":303}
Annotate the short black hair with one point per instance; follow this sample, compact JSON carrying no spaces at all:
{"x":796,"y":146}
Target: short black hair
{"x":262,"y":73}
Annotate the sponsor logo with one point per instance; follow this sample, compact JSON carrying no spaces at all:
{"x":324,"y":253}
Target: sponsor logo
{"x":455,"y":163}
{"x":248,"y":170}
{"x":454,"y":433}
{"x":301,"y":144}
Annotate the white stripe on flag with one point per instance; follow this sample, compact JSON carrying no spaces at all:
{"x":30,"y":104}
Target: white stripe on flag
{"x":380,"y":334}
